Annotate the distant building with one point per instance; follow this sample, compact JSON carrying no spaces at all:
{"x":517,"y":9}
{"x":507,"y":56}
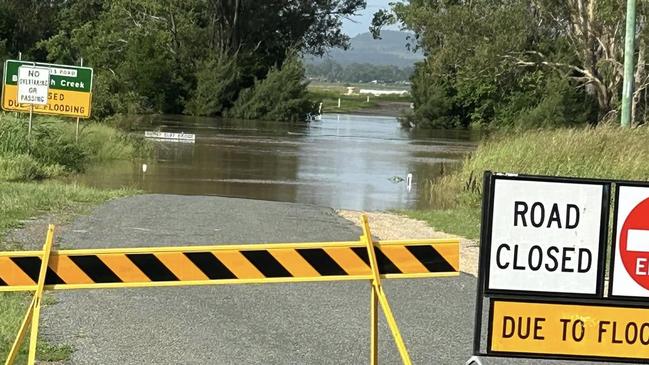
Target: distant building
{"x":384,"y":92}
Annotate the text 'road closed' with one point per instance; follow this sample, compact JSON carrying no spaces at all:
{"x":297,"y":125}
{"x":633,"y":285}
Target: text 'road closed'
{"x":545,"y":236}
{"x":569,"y":330}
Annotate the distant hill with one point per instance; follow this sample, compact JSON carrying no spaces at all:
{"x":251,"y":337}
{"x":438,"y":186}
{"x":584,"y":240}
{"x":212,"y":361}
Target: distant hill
{"x":390,"y":50}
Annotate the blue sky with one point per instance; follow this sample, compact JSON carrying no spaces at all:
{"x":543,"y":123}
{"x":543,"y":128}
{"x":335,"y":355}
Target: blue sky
{"x":364,"y":20}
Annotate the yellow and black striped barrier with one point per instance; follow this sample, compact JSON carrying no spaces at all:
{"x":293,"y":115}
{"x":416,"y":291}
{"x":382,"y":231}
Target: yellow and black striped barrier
{"x":226,"y":264}
{"x":204,"y":265}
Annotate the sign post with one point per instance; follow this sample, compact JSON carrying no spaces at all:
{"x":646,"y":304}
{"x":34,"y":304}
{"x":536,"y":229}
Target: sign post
{"x":76,"y":136}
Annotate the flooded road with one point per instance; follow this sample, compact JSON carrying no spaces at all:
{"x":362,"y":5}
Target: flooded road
{"x":340,"y":161}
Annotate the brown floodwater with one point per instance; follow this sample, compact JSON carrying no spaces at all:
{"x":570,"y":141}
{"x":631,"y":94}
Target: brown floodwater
{"x":340,"y":161}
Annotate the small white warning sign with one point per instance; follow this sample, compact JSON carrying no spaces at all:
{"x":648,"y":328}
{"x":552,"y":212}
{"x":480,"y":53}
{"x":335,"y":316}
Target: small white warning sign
{"x":33,"y":85}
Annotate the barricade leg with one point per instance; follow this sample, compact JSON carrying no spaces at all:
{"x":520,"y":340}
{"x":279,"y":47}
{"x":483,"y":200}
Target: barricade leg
{"x":377,"y":293}
{"x":33,"y":312}
{"x":374,"y":328}
{"x":15,"y":348}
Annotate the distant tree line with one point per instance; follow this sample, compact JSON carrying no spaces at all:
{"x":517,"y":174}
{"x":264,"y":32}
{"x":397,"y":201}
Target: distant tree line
{"x":331,"y":71}
{"x":202,"y":57}
{"x":520,"y":62}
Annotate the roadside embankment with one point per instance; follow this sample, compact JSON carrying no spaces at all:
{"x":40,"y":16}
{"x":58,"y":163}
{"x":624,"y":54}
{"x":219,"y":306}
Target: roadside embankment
{"x":50,"y":150}
{"x":603,"y":152}
{"x":389,"y":226}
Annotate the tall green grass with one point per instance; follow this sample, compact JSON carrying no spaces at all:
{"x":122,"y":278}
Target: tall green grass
{"x":19,"y":201}
{"x":52,"y":149}
{"x":605,"y":152}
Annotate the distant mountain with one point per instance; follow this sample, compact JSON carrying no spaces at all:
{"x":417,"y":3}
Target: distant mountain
{"x":389,"y":50}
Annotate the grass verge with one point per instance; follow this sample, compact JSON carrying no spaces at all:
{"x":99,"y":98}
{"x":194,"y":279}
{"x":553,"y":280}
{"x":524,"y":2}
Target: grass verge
{"x":585,"y":152}
{"x":18,"y":202}
{"x":52,"y":149}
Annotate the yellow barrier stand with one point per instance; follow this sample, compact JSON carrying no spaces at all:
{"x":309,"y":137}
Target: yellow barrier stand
{"x":34,"y":309}
{"x":365,"y":259}
{"x":378,"y":294}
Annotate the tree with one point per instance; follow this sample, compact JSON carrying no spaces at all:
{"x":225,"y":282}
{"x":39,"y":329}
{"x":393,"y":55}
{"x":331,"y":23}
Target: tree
{"x":155,"y":55}
{"x":280,"y":96}
{"x":492,"y":51}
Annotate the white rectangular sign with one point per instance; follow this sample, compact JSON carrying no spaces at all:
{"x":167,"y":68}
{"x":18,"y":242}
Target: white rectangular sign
{"x":33,"y":85}
{"x":546,"y":236}
{"x":630,"y":270}
{"x":188,"y":137}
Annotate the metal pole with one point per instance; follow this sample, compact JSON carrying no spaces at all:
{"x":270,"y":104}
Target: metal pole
{"x":374,"y":327}
{"x":20,"y":58}
{"x":31,"y":112}
{"x":629,"y":48}
{"x":77,"y":130}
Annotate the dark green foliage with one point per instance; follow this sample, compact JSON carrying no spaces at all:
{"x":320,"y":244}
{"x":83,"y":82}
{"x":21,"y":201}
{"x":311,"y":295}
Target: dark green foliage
{"x":435,"y":105}
{"x":282,"y":95}
{"x":216,"y":89}
{"x":171,"y":56}
{"x":502,"y":64}
{"x":559,"y":104}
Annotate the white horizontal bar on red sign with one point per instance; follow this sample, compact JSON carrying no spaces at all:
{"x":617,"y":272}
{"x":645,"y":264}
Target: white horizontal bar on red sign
{"x":638,"y":240}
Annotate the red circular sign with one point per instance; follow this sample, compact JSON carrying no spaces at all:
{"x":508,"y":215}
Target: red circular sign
{"x":636,"y":260}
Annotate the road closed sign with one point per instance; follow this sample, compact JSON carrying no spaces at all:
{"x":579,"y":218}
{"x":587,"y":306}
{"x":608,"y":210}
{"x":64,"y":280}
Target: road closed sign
{"x":546,"y":236}
{"x":630,"y":270}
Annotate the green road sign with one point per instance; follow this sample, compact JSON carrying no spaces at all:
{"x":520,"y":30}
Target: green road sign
{"x":70,"y":89}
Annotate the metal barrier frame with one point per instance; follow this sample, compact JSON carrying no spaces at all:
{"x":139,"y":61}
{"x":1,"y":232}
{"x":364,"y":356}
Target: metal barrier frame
{"x":378,"y":297}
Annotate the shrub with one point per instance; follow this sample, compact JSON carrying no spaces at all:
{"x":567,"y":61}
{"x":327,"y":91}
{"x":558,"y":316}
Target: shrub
{"x":216,"y":87}
{"x":282,"y":96}
{"x":52,"y":149}
{"x":24,"y":167}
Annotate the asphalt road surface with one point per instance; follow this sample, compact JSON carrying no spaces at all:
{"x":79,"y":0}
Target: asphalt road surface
{"x":301,"y":323}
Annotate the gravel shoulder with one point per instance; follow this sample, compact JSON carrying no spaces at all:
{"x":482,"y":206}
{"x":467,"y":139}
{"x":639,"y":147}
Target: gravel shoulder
{"x":389,"y":226}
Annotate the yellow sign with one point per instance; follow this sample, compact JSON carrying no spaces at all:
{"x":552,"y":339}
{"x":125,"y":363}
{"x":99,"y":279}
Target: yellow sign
{"x":60,"y":102}
{"x":569,"y":330}
{"x":70,"y":90}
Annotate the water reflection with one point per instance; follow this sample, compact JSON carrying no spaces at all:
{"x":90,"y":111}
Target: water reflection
{"x":340,"y":161}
